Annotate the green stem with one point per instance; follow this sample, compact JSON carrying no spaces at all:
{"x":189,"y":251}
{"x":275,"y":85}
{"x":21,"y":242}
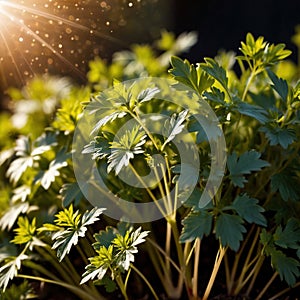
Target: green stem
{"x":146,"y":281}
{"x":77,"y":291}
{"x":51,"y":257}
{"x":122,"y":287}
{"x":137,"y":118}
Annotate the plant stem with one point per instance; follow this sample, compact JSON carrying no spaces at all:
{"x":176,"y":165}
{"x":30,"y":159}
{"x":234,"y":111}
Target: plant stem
{"x":284,"y":291}
{"x":266,"y":286}
{"x":246,"y":265}
{"x":256,"y":272}
{"x":122,"y":287}
{"x":77,"y":291}
{"x":49,"y":256}
{"x":168,"y":250}
{"x":146,"y":281}
{"x":196,"y":268}
{"x":215,"y":270}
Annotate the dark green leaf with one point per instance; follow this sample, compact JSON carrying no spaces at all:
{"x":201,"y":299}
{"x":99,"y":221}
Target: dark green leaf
{"x":216,"y":96}
{"x":71,"y":192}
{"x":108,"y":283}
{"x":196,"y":225}
{"x":104,"y":237}
{"x":289,"y":237}
{"x":287,"y":267}
{"x":249,"y":209}
{"x":279,"y":85}
{"x":248,"y":162}
{"x":288,"y":185}
{"x":214,"y":70}
{"x":279,"y":135}
{"x":184,"y":72}
{"x":253,"y":111}
{"x":230,"y":229}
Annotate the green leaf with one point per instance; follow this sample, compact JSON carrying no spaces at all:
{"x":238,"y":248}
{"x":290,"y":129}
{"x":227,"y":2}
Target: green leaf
{"x":126,"y":245}
{"x":25,"y":232}
{"x":184,"y":72}
{"x":10,"y":269}
{"x":71,"y":192}
{"x":253,"y":111}
{"x":287,"y":267}
{"x":282,"y":136}
{"x":214,"y":70}
{"x":100,"y":146}
{"x":104,"y":237}
{"x":196,"y":225}
{"x":289,"y":237}
{"x":109,"y":285}
{"x":279,"y":85}
{"x":125,"y":147}
{"x":174,"y":126}
{"x":72,"y":228}
{"x":287,"y":183}
{"x":12,"y":213}
{"x":147,"y":94}
{"x":230,"y":229}
{"x":249,"y":209}
{"x":24,"y":161}
{"x":247,"y":162}
{"x":204,"y":80}
{"x":216,"y":96}
{"x":47,"y":177}
{"x":98,"y":264}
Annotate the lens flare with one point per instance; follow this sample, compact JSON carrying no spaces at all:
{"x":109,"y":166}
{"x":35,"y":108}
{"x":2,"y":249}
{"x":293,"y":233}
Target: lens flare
{"x":50,"y":36}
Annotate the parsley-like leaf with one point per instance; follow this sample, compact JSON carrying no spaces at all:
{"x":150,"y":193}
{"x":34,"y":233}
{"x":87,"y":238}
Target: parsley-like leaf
{"x":248,"y":162}
{"x":230,"y":229}
{"x":196,"y":225}
{"x":249,"y":209}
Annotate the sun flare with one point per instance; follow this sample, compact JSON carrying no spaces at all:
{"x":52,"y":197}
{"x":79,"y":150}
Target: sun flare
{"x":42,"y":36}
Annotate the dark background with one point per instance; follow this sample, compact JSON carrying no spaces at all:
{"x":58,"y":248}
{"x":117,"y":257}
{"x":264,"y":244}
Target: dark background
{"x":224,"y":24}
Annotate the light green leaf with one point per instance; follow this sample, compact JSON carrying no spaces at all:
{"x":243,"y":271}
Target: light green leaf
{"x":12,"y":213}
{"x":125,"y":147}
{"x":10,"y":269}
{"x":25,"y":232}
{"x":174,"y":126}
{"x":147,"y":94}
